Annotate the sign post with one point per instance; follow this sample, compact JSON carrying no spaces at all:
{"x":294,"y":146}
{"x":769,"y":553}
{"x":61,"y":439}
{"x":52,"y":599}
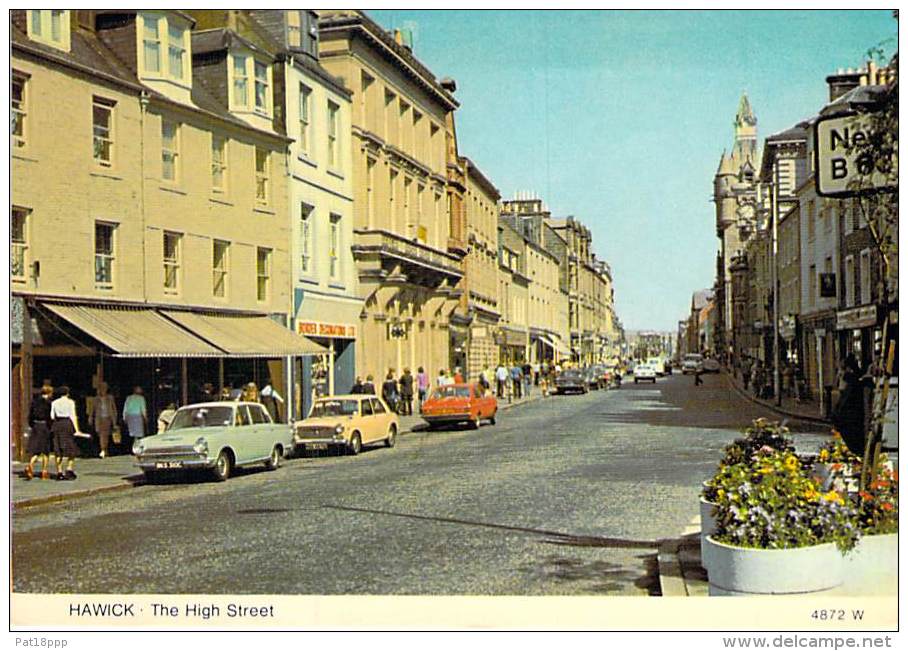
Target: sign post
{"x":843,"y":160}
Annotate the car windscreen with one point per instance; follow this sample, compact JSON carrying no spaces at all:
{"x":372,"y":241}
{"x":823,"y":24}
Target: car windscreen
{"x":324,"y":408}
{"x":451,"y":392}
{"x":692,"y":358}
{"x":202,"y":417}
{"x":571,"y":373}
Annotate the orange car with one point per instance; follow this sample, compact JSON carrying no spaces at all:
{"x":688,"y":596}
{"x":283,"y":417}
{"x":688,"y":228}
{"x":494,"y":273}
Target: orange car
{"x":459,"y":403}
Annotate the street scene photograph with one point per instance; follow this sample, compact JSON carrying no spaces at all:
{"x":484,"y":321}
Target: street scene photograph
{"x":312,"y":311}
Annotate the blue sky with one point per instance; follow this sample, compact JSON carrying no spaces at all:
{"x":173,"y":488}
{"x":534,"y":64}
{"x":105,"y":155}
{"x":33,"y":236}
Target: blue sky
{"x":619,"y":117}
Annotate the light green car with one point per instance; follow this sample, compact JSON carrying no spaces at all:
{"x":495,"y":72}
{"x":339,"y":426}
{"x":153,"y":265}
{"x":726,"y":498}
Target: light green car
{"x":215,"y":436}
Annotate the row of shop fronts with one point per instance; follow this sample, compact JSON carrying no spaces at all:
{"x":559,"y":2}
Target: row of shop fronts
{"x":175,"y":356}
{"x":816,"y":344}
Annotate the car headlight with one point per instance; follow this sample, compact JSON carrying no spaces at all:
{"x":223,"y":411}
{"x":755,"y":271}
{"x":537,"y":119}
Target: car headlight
{"x":339,"y":429}
{"x":138,"y":447}
{"x":201,"y":446}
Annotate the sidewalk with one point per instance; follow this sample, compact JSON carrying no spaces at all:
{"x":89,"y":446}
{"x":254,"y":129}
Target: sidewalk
{"x":807,"y":410}
{"x":119,"y":472}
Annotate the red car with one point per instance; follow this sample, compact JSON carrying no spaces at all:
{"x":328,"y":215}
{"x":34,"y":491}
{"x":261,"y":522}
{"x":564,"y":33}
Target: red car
{"x":459,"y":403}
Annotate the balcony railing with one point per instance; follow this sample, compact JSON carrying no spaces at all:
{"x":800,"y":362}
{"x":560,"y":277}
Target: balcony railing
{"x":406,"y":251}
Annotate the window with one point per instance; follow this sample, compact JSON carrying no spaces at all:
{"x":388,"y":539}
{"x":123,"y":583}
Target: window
{"x":305,"y":96}
{"x":172,"y":262}
{"x":811,"y":216}
{"x":334,"y":246}
{"x":293,"y":28}
{"x":102,"y":128}
{"x":105,"y":254}
{"x":151,"y":37}
{"x":240,"y":82}
{"x":18,"y":108}
{"x":849,"y":281}
{"x":176,"y":51}
{"x":262,"y":164}
{"x":306,"y":238}
{"x":50,"y":26}
{"x":865,"y":295}
{"x":263,"y":273}
{"x":333,"y":135}
{"x":170,"y":150}
{"x":219,"y":261}
{"x":18,"y":243}
{"x":261,"y":87}
{"x":218,"y":163}
{"x":370,"y":192}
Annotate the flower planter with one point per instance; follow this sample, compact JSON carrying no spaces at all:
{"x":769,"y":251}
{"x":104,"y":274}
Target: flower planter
{"x":872,"y":565}
{"x":742,"y":571}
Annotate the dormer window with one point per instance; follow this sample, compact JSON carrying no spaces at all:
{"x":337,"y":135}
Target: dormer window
{"x":243,"y":68}
{"x":49,"y":26}
{"x":164,"y":42}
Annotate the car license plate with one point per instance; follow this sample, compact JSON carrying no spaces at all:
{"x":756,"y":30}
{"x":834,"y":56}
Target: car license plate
{"x":316,"y":446}
{"x":167,"y":465}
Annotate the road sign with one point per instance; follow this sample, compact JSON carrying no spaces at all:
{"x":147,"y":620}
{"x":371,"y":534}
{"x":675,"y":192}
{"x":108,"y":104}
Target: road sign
{"x":843,"y":162}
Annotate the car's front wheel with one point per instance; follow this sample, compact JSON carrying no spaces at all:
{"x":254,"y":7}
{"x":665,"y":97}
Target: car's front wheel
{"x":492,"y":418}
{"x":223,"y":466}
{"x":275,"y":459}
{"x":356,"y":444}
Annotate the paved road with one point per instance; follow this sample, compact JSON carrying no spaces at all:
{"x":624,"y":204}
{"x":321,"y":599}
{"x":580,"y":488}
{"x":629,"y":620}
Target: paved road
{"x":568,"y":495}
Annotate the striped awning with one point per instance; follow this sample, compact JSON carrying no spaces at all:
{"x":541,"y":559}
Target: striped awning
{"x":134,"y":332}
{"x":245,"y":336}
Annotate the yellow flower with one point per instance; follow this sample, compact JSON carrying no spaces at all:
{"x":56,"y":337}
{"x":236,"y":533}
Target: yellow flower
{"x":721,"y":494}
{"x":824,"y":455}
{"x":811,"y":494}
{"x":765,"y":470}
{"x":833,"y":496}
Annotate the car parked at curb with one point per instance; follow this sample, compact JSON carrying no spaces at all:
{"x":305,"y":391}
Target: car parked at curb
{"x":572,"y":380}
{"x":691,"y":363}
{"x":459,"y":403}
{"x":214,"y":436}
{"x":346,"y":423}
{"x":710,"y":365}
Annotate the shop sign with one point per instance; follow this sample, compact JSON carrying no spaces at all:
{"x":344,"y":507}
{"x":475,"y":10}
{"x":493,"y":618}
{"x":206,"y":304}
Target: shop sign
{"x":856,"y":318}
{"x":327,"y":330}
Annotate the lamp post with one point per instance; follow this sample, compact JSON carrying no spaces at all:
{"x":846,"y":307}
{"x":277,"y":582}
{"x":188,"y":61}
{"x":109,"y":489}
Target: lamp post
{"x":775,"y":284}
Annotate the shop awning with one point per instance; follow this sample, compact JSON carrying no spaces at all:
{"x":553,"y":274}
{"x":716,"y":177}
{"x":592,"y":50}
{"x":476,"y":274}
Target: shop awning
{"x":514,"y":338}
{"x":134,"y":332}
{"x":245,"y":336}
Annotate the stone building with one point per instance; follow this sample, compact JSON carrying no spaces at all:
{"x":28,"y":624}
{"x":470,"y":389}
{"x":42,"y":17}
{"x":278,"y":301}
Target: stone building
{"x":313,"y":108}
{"x":149,"y":238}
{"x":406,"y":245}
{"x":480,"y":284}
{"x":513,"y":293}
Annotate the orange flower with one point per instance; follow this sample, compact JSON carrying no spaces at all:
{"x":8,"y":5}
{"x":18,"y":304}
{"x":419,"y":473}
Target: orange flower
{"x":886,"y":506}
{"x":836,"y":434}
{"x":867,"y":497}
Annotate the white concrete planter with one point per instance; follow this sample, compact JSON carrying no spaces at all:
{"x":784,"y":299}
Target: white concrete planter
{"x":707,"y":528}
{"x":872,"y":566}
{"x":742,"y":571}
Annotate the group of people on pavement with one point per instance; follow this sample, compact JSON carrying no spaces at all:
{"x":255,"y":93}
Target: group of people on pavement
{"x":399,"y":392}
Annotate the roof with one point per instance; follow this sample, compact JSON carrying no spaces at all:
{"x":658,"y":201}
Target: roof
{"x":218,"y":403}
{"x":477,"y":175}
{"x":701,"y":298}
{"x":860,"y":96}
{"x":745,"y":112}
{"x":336,"y":20}
{"x":219,"y":38}
{"x":90,"y":55}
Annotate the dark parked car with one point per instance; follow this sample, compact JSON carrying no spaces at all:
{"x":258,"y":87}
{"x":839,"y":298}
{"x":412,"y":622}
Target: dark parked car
{"x":572,"y":379}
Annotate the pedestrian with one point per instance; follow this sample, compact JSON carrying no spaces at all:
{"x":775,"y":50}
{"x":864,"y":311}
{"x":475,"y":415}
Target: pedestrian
{"x":40,"y":445}
{"x":746,"y":370}
{"x":406,"y":393}
{"x":422,"y":385}
{"x":458,"y":376}
{"x":501,"y":379}
{"x":485,"y":379}
{"x":389,"y":391}
{"x":357,"y":386}
{"x":166,"y":417}
{"x":64,"y":427}
{"x":698,"y":371}
{"x":527,"y":378}
{"x":443,"y":378}
{"x":103,"y":417}
{"x":848,"y":414}
{"x":135,"y":414}
{"x":787,"y":375}
{"x":758,"y":378}
{"x":207,"y":393}
{"x":272,"y":401}
{"x":516,"y":380}
{"x":544,"y":385}
{"x":369,"y":385}
{"x":537,"y":369}
{"x":250,"y":392}
{"x":225,"y":393}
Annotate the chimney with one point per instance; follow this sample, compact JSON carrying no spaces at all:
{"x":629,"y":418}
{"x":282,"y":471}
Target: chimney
{"x":398,"y":37}
{"x":448,"y":84}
